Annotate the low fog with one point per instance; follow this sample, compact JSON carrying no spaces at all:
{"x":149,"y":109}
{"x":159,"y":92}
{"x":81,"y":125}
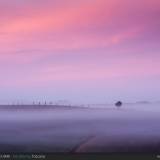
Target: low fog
{"x":130,"y":128}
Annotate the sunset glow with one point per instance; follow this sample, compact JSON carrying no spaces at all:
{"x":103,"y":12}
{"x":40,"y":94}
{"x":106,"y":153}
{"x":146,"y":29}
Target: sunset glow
{"x":85,"y":51}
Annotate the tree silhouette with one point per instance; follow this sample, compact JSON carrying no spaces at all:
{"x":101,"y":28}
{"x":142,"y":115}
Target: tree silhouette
{"x":118,"y":104}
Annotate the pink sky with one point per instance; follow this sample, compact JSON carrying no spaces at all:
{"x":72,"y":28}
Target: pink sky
{"x":84,"y":51}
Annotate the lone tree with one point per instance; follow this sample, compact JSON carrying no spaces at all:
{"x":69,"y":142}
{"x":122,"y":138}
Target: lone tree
{"x":118,"y":104}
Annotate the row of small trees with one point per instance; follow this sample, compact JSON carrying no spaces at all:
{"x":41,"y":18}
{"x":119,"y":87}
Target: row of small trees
{"x":117,"y":104}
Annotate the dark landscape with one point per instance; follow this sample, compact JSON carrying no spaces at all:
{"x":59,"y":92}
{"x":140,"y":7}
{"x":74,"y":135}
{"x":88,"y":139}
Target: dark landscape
{"x":64,"y":129}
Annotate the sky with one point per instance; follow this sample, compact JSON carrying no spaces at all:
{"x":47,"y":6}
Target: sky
{"x":83,"y":51}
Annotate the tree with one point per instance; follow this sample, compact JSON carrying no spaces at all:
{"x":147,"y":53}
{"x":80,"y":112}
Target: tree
{"x":118,"y":104}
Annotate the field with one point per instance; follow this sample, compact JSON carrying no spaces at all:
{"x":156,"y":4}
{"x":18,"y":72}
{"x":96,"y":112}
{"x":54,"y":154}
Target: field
{"x":132,"y":128}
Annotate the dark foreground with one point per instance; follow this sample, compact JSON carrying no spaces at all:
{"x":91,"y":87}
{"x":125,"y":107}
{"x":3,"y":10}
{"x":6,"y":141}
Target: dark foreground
{"x":132,"y":129}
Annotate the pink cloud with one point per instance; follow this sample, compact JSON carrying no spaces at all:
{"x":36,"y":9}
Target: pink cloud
{"x":82,"y":25}
{"x":80,"y":43}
